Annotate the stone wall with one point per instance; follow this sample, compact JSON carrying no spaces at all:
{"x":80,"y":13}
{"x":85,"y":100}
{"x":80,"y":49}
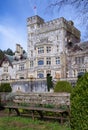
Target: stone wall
{"x":29,"y":86}
{"x":55,"y":99}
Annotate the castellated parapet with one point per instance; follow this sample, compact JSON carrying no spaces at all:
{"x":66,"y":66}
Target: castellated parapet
{"x":43,"y":27}
{"x":34,"y":20}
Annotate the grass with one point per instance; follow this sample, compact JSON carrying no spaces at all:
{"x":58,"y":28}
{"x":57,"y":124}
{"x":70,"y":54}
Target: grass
{"x":22,"y":123}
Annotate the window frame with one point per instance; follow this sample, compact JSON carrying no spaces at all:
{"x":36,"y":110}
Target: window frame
{"x":48,"y":61}
{"x":40,"y":75}
{"x":40,"y":50}
{"x":48,"y":49}
{"x":31,"y":63}
{"x":57,"y":60}
{"x":41,"y":62}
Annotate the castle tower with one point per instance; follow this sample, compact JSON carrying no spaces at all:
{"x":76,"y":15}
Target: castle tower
{"x":32,"y":25}
{"x":47,"y":43}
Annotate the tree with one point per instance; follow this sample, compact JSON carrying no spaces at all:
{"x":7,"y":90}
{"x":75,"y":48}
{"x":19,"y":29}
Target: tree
{"x":76,"y":3}
{"x":80,"y":8}
{"x":49,"y":82}
{"x":63,"y":86}
{"x":9,"y":52}
{"x":79,"y":104}
{"x":5,"y":87}
{"x":1,"y":54}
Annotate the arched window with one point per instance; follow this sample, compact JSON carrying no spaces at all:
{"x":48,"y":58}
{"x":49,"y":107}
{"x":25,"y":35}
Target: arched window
{"x":40,"y":62}
{"x":40,"y":75}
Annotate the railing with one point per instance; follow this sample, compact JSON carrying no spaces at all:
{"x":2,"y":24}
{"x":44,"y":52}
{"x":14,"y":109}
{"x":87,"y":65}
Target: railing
{"x":21,"y":80}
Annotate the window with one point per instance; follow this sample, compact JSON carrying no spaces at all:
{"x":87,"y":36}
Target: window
{"x":21,"y":77}
{"x":79,"y":60}
{"x":21,"y":67}
{"x":81,"y":70}
{"x":31,"y":64}
{"x":40,"y":50}
{"x":5,"y":69}
{"x":57,"y":48}
{"x":41,"y":62}
{"x":48,"y":72}
{"x":57,"y":60}
{"x":40,"y":75}
{"x":31,"y":53}
{"x":48,"y":61}
{"x":48,"y":49}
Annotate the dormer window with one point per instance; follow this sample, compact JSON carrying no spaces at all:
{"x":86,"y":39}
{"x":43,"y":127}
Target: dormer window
{"x":5,"y":69}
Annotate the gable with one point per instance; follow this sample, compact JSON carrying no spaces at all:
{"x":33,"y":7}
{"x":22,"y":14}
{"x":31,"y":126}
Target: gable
{"x":5,"y":61}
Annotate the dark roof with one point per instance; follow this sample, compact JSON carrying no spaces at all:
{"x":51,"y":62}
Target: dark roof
{"x":5,"y":58}
{"x":82,"y":46}
{"x":76,"y":48}
{"x":11,"y":58}
{"x":22,"y":57}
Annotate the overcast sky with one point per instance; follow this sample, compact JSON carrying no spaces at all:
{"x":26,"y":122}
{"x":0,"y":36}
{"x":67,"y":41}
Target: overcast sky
{"x":13,"y":16}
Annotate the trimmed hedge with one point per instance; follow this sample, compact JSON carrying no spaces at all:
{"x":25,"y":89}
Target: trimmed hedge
{"x":5,"y":87}
{"x":79,"y":104}
{"x":63,"y":86}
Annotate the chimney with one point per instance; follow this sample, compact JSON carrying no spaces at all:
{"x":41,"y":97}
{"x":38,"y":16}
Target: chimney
{"x":17,"y":52}
{"x":17,"y":48}
{"x":21,"y":50}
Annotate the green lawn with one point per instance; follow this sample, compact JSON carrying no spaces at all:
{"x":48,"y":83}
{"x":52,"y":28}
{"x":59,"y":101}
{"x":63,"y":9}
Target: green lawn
{"x":22,"y":123}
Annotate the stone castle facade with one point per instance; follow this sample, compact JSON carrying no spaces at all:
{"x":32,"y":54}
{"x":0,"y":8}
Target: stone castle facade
{"x":53,"y":47}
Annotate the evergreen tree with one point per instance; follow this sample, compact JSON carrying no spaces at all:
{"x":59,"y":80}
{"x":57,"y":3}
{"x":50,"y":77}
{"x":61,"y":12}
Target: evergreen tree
{"x":79,"y":104}
{"x":49,"y":82}
{"x":9,"y":52}
{"x":1,"y":54}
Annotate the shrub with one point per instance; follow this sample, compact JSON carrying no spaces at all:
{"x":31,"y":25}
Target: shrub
{"x":79,"y":104}
{"x":5,"y":87}
{"x":49,"y":82}
{"x":63,"y":86}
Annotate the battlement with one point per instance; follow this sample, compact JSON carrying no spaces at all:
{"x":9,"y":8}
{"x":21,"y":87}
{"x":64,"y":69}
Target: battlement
{"x":58,"y":21}
{"x":35,"y":20}
{"x":52,"y":22}
{"x":52,"y":25}
{"x":58,"y":24}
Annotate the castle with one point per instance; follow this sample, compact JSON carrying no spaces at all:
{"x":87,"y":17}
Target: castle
{"x":54,"y":48}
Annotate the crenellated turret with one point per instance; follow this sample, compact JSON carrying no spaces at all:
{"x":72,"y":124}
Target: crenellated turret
{"x":34,"y":21}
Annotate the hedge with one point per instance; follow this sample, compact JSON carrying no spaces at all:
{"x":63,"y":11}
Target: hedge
{"x":79,"y":105}
{"x":5,"y":87}
{"x":63,"y":86}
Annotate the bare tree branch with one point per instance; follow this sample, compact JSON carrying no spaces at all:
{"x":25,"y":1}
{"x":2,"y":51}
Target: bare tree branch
{"x":76,"y":3}
{"x":81,"y":9}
